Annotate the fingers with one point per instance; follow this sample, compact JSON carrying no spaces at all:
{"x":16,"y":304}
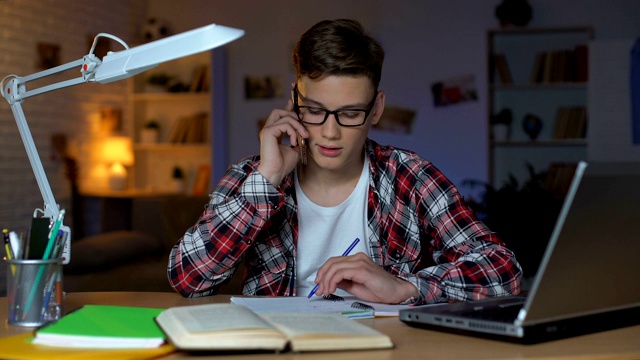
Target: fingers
{"x":360,"y":276}
{"x":278,"y":159}
{"x":283,"y":122}
{"x":289,"y":105}
{"x":343,"y":271}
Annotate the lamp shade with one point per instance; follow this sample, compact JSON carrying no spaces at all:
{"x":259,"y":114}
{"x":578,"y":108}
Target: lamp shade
{"x":117,"y":149}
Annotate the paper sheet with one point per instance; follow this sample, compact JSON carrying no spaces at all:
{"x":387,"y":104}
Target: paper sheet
{"x":300,"y":304}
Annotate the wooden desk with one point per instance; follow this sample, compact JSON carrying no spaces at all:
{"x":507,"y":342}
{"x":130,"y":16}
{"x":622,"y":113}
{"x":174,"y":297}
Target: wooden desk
{"x":410,"y":343}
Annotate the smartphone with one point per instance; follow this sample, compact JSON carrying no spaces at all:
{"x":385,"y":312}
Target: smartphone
{"x":302,"y":144}
{"x":302,"y":149}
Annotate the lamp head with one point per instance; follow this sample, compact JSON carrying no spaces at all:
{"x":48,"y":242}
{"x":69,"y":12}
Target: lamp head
{"x":123,"y":64}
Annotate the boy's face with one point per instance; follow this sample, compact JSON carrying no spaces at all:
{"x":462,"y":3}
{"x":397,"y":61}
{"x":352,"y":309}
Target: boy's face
{"x":330,"y":145}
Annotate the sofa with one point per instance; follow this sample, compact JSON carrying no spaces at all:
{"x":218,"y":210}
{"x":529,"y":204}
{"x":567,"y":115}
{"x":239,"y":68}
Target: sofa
{"x":134,"y":257}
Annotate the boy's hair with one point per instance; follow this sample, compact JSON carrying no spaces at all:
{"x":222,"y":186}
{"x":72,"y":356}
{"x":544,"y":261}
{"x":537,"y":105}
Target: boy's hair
{"x":338,"y":47}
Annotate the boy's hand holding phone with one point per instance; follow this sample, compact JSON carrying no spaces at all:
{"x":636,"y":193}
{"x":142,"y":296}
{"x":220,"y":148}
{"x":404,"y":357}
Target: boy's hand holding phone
{"x":278,"y":159}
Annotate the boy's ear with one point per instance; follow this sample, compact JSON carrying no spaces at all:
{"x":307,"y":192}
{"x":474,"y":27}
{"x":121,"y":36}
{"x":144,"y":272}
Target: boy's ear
{"x":378,"y":108}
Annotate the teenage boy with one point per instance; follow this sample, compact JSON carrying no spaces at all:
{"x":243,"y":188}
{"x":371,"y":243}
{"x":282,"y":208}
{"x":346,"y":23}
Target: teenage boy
{"x":289,"y":218}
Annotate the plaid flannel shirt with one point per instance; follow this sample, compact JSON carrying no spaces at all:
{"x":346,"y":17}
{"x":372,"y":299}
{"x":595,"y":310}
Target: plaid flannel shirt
{"x":421,"y":231}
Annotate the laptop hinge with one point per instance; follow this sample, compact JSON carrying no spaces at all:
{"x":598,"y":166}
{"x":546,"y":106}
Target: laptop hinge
{"x":522,"y":314}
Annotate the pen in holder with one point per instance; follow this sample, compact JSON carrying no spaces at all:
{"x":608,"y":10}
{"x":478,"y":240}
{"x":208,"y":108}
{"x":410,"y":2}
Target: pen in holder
{"x":34,"y":289}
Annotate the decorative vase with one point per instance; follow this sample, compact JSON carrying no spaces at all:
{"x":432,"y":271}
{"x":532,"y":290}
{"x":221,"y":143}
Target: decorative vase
{"x":532,"y":125}
{"x":178,"y":186}
{"x":149,"y":136}
{"x":501,"y":132}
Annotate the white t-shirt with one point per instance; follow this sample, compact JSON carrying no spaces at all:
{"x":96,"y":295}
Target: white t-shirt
{"x":325,"y":232}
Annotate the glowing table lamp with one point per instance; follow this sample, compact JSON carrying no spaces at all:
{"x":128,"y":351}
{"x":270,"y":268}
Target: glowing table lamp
{"x":117,"y":152}
{"x":113,"y":66}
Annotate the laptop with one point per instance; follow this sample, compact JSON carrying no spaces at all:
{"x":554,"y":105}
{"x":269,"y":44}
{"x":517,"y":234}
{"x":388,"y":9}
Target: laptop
{"x":588,"y":279}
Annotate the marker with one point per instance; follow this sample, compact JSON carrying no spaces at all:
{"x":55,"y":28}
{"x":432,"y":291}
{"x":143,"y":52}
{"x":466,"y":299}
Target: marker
{"x":346,"y":252}
{"x":7,"y":248}
{"x":15,"y":245}
{"x":7,"y":243}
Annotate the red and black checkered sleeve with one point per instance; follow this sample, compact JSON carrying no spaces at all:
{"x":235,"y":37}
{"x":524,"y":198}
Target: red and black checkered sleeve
{"x":208,"y":253}
{"x":471,"y":261}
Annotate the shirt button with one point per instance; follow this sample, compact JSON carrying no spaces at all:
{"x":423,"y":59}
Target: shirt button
{"x":248,"y":241}
{"x":275,"y":206}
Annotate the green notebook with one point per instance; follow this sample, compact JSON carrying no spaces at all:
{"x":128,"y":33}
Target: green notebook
{"x":103,"y":326}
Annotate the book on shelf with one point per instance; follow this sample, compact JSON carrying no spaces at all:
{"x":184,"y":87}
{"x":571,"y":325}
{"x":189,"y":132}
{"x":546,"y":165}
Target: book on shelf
{"x":502,"y":68}
{"x":104,"y":326}
{"x":570,"y":122}
{"x":200,"y":79}
{"x":538,"y":68}
{"x":557,"y":66}
{"x":230,"y":327}
{"x":190,"y":129}
{"x":201,"y":183}
{"x":582,"y":63}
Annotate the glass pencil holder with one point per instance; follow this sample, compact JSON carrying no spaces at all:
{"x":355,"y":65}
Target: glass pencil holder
{"x":34,"y":292}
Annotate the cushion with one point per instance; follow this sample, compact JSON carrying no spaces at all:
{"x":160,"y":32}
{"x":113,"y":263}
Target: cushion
{"x":111,"y":248}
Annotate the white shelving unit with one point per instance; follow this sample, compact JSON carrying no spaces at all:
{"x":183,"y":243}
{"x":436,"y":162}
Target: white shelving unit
{"x":523,"y":94}
{"x":155,"y":162}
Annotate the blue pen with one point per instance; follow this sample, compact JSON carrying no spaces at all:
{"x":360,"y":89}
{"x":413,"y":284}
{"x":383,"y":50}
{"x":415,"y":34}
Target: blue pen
{"x":346,"y":252}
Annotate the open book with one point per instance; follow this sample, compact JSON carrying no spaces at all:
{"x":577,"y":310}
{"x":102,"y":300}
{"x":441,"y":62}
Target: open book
{"x":234,"y":327}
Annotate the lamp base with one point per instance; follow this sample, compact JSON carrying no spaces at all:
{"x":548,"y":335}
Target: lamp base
{"x":118,"y":178}
{"x":117,"y":183}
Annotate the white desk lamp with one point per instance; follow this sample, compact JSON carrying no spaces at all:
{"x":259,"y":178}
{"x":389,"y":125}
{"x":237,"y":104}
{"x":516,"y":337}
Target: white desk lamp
{"x":114,"y":66}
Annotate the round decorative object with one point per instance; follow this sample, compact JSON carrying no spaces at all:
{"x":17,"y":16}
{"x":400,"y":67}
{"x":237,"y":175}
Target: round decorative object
{"x":514,"y":12}
{"x":532,"y":125}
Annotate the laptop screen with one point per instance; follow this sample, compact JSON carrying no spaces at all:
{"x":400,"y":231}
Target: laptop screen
{"x":592,"y":261}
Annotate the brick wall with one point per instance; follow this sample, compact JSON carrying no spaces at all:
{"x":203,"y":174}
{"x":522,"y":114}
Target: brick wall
{"x":73,"y":111}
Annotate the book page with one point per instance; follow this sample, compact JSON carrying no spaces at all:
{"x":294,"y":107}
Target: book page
{"x":296,"y":325}
{"x":218,"y":317}
{"x":219,"y":327}
{"x":320,"y":332}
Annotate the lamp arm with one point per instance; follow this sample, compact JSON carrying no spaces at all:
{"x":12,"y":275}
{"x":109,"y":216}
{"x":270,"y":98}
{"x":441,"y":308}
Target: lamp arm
{"x":51,"y":208}
{"x":16,"y":91}
{"x":16,"y":88}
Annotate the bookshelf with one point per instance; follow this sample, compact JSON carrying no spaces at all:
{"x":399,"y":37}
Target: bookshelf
{"x":181,"y":107}
{"x":540,"y":73}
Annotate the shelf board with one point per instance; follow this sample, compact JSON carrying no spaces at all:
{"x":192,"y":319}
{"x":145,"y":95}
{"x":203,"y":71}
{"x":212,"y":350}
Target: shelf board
{"x":541,"y":86}
{"x":128,"y":193}
{"x":541,"y":30}
{"x":170,"y":147}
{"x":168,"y":96}
{"x":540,"y":143}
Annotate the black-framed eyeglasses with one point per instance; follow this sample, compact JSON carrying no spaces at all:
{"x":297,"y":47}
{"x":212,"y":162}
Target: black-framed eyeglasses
{"x":314,"y":115}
